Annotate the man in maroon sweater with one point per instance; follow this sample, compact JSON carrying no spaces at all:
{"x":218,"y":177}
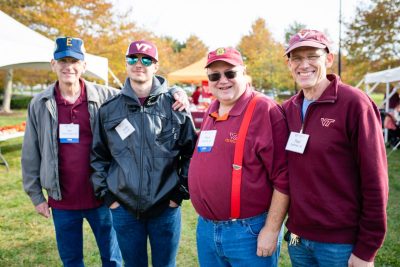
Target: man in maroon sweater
{"x":337,"y":163}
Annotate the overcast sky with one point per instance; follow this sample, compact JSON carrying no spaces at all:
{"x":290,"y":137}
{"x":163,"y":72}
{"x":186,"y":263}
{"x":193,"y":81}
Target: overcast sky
{"x":223,"y":22}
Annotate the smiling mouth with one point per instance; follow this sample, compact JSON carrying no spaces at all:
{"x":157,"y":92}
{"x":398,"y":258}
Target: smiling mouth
{"x":305,"y":74}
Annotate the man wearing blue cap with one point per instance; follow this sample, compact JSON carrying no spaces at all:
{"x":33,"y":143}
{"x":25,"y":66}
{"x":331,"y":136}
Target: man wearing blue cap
{"x":56,"y":156}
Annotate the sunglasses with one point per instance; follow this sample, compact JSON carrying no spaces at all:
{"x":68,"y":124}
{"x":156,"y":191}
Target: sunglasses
{"x":146,"y":61}
{"x":230,"y":74}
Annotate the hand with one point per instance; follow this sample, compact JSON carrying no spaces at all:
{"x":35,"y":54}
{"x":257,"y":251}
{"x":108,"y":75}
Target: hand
{"x":355,"y":261}
{"x":181,"y":100}
{"x":173,"y":204}
{"x":266,"y":242}
{"x":43,"y":209}
{"x":114,"y":205}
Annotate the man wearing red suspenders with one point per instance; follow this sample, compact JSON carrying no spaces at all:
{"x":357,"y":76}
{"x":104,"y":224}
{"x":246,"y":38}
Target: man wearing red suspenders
{"x":238,"y":177}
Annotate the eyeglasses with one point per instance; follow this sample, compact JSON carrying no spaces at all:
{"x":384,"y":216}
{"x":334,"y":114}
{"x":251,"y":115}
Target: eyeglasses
{"x":310,"y":59}
{"x":230,"y":74}
{"x":146,"y":61}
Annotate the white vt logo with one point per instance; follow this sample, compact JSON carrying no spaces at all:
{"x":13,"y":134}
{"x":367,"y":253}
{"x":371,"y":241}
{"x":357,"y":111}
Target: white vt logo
{"x":326,"y":122}
{"x":303,"y":35}
{"x":143,"y":47}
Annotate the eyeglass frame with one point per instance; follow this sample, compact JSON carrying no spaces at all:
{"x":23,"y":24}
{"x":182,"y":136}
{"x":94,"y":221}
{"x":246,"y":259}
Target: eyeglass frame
{"x":297,"y":60}
{"x":135,"y":59}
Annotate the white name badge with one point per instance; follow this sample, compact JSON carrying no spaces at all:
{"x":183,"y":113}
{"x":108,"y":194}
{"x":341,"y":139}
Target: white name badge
{"x":206,"y":140}
{"x":69,"y":133}
{"x":124,"y":129}
{"x":297,"y":142}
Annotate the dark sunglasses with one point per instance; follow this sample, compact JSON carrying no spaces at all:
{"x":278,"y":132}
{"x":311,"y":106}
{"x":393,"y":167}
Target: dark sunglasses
{"x":146,"y":61}
{"x":230,"y":74}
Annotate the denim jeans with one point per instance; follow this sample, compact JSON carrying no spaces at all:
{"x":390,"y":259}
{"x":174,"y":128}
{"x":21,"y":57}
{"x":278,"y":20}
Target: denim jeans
{"x":163,"y":232}
{"x":309,"y":253}
{"x":68,"y":225}
{"x":233,"y":243}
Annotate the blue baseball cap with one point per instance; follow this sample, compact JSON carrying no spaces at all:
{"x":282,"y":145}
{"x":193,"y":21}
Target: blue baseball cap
{"x":69,"y":47}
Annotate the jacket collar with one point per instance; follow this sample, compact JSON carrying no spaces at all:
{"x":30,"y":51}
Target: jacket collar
{"x":159,"y":86}
{"x":91,"y":92}
{"x":239,"y":106}
{"x":329,"y":95}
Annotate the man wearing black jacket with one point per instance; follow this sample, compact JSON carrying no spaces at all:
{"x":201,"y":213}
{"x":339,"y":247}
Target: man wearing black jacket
{"x":141,"y":154}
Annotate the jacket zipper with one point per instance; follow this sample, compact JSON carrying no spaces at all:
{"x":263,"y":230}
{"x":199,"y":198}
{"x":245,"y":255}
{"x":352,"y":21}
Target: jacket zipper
{"x":141,"y":163}
{"x":303,"y":121}
{"x":52,"y":109}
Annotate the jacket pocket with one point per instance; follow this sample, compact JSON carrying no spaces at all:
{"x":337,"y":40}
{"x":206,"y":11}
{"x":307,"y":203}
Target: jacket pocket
{"x":117,"y":146}
{"x":166,"y":141}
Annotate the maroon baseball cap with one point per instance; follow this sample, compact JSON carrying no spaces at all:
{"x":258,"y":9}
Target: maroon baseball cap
{"x":311,"y":38}
{"x":143,"y":47}
{"x":227,"y":54}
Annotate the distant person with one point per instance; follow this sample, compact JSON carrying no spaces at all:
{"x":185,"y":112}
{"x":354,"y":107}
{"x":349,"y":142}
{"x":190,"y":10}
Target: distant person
{"x":202,"y":95}
{"x":394,"y":101}
{"x":56,"y":156}
{"x":196,"y":94}
{"x":337,"y":163}
{"x":240,"y":193}
{"x":140,"y":157}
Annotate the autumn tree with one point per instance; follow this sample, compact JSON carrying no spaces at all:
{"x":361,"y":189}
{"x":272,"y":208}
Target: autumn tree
{"x":175,"y":55}
{"x":372,"y":40}
{"x":293,"y":28}
{"x":264,"y":58}
{"x":193,"y":50}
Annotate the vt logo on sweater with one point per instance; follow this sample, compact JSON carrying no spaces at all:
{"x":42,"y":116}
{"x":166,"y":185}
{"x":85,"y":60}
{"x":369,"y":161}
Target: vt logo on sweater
{"x":326,"y":122}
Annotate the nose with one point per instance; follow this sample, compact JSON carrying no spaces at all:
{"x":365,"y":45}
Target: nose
{"x":304,"y":62}
{"x":223,"y":78}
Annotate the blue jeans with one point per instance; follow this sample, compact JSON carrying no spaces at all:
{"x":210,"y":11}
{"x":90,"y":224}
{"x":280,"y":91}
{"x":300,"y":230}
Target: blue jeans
{"x":163,"y":232}
{"x":309,"y":253}
{"x":233,"y":243}
{"x":69,"y":234}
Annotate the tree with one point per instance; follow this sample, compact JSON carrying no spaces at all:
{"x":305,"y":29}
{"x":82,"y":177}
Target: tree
{"x":104,"y":33}
{"x":264,"y":58}
{"x":293,"y":29}
{"x":373,"y":38}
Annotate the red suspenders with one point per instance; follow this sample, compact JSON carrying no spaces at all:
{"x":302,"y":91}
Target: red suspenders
{"x":238,"y":159}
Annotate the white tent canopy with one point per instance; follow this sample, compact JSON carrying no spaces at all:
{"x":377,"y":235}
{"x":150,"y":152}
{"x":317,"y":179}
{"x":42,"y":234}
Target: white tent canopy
{"x":387,"y":77}
{"x":21,"y":47}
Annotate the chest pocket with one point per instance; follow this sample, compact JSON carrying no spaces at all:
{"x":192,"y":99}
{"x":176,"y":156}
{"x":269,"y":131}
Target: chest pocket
{"x":117,"y":146}
{"x":166,"y":143}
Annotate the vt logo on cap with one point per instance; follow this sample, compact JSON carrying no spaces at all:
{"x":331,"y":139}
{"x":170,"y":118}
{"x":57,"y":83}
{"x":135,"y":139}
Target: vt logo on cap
{"x":142,"y":47}
{"x":69,"y":47}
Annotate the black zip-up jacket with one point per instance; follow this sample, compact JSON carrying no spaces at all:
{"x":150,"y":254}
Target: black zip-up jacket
{"x":150,"y":167}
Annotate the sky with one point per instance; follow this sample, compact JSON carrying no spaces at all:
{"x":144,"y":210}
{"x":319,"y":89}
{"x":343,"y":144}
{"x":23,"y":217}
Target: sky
{"x":221,"y":23}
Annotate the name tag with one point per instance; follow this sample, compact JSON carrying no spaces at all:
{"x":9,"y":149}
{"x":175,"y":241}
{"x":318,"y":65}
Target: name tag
{"x":124,"y":129}
{"x":69,"y":133}
{"x":297,"y":142}
{"x":206,"y":140}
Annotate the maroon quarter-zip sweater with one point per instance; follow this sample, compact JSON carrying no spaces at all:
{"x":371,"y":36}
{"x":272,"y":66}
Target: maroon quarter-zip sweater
{"x":339,"y":185}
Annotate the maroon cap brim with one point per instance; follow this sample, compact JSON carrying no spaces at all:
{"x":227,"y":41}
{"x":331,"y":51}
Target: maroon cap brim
{"x":304,"y":43}
{"x":231,"y":61}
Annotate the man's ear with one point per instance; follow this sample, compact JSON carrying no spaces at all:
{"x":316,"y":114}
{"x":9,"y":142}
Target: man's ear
{"x":53,"y":65}
{"x":329,"y":60}
{"x":84,"y":67}
{"x":156,"y":66}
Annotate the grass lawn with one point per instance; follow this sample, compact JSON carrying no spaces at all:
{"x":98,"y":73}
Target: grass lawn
{"x":27,"y":239}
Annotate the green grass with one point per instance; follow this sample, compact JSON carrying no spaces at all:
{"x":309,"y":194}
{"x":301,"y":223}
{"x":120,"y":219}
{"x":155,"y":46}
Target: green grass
{"x":27,"y":239}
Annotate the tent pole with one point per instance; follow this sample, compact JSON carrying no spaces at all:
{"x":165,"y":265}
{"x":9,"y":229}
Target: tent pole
{"x":6,"y":106}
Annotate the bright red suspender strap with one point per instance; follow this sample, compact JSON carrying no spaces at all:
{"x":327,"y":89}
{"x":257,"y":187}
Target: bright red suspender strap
{"x":238,"y":159}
